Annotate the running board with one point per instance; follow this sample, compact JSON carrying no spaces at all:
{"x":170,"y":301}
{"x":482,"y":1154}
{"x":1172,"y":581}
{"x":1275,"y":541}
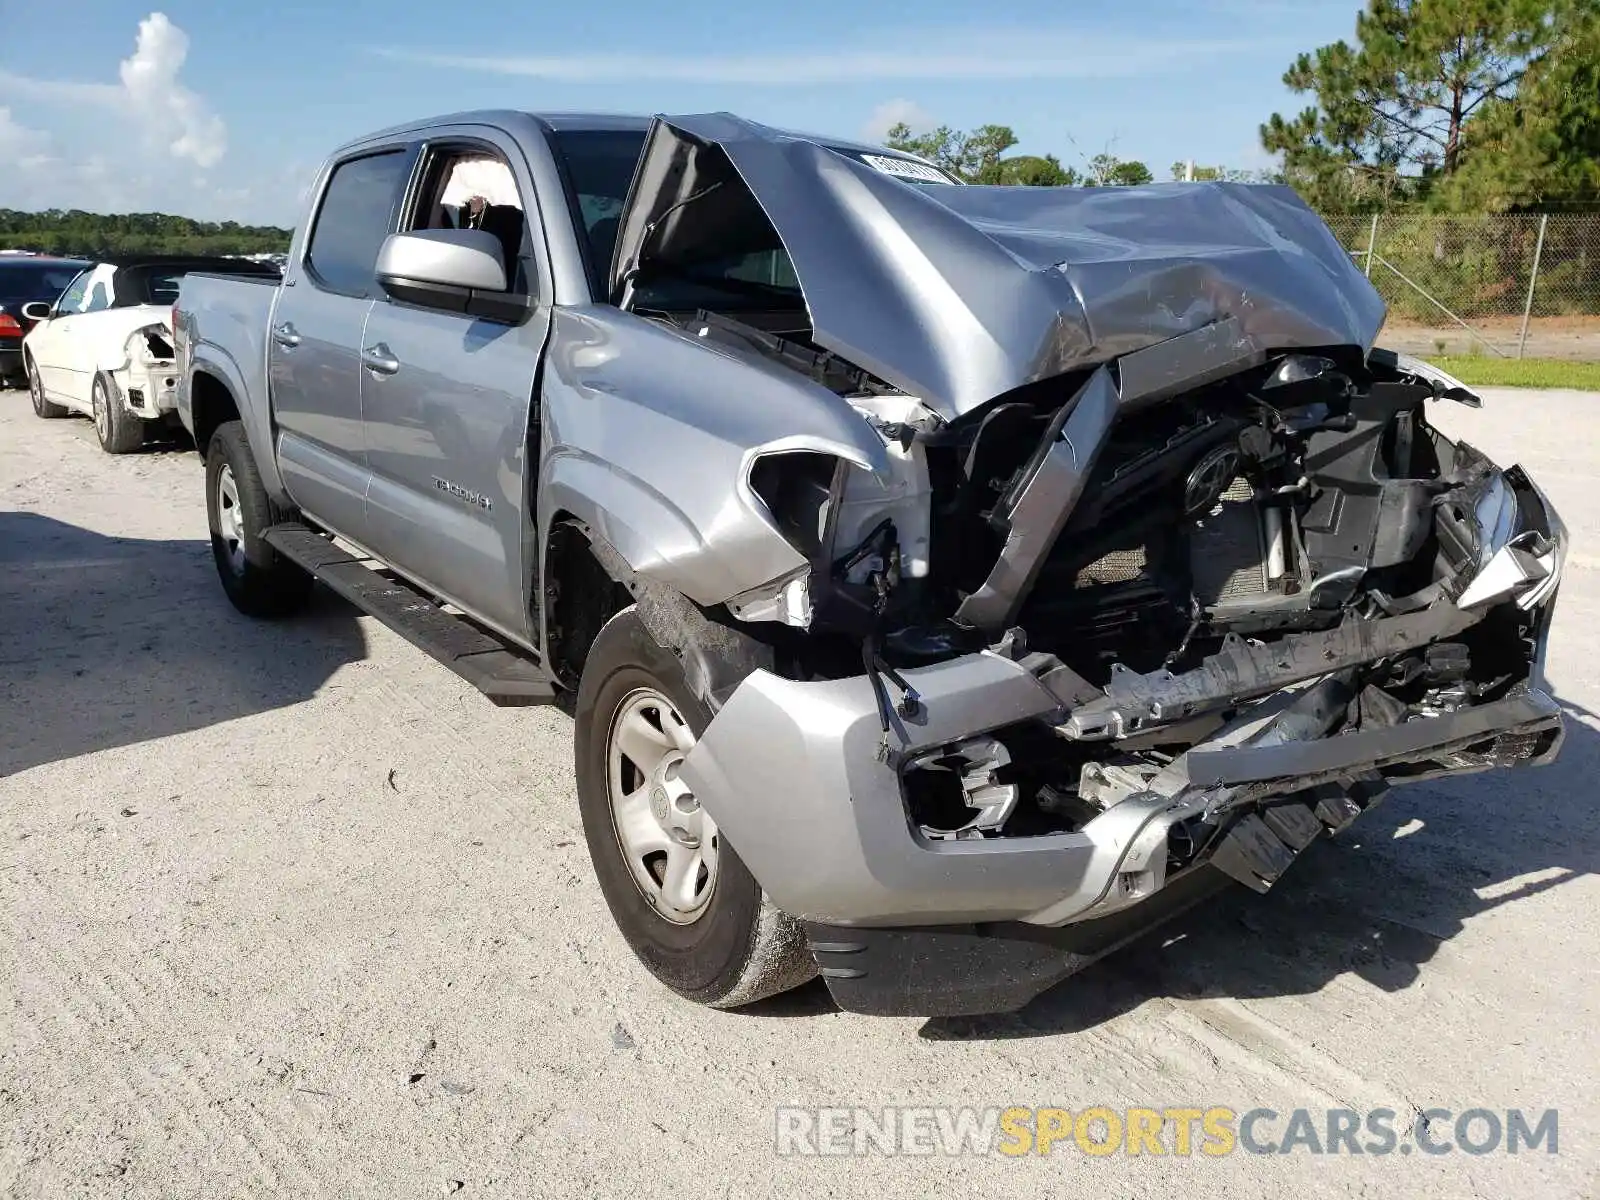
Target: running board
{"x":508,"y":677}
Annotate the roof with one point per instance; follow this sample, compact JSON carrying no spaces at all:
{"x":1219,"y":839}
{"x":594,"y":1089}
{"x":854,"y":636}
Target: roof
{"x":507,"y":118}
{"x":564,"y":121}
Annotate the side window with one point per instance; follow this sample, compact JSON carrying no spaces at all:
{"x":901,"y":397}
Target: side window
{"x":357,"y":213}
{"x":472,"y":188}
{"x":99,"y":295}
{"x":72,"y":299}
{"x":163,"y":288}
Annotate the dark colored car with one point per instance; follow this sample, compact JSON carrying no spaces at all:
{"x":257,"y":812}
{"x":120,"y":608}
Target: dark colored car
{"x":23,"y":280}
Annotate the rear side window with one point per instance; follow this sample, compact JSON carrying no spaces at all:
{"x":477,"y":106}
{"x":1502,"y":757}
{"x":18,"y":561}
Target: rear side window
{"x":357,"y":213}
{"x":162,"y":288}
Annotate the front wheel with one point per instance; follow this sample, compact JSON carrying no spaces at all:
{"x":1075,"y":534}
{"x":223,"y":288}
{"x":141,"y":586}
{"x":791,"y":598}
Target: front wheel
{"x":259,"y":580}
{"x":680,"y":894}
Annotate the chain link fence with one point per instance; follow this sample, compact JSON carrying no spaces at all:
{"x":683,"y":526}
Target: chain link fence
{"x":1519,"y":284}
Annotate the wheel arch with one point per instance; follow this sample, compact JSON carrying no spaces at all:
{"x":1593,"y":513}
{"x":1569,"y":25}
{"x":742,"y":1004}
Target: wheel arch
{"x":211,"y":404}
{"x":234,"y":401}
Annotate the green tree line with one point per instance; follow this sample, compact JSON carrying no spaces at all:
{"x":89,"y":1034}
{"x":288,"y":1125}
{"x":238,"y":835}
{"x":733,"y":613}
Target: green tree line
{"x":77,"y":233}
{"x":1449,"y":106}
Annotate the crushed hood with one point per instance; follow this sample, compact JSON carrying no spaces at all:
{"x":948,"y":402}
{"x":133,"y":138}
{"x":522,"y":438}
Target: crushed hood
{"x":957,"y":294}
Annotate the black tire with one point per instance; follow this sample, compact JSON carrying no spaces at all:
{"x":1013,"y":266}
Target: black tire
{"x":259,"y":581}
{"x":47,"y":409}
{"x":119,"y":431}
{"x":741,"y":948}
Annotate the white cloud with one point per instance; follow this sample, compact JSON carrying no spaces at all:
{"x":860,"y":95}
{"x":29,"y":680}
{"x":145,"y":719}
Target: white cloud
{"x":896,"y":112}
{"x":976,"y":54}
{"x":19,"y":145}
{"x":150,"y":80}
{"x":126,"y":145}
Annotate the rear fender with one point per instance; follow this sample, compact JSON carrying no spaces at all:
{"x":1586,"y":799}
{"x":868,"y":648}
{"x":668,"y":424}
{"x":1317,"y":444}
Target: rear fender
{"x":210,"y":360}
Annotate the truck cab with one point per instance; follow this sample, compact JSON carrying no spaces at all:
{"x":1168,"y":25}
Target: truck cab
{"x":948,"y":583}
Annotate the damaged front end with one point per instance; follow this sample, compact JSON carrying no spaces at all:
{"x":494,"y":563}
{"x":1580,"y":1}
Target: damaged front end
{"x":1237,"y":621}
{"x":1173,"y":599}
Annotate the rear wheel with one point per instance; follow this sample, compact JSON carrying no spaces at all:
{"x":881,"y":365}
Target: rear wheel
{"x":259,"y":581}
{"x":680,"y":894}
{"x":119,"y":431}
{"x":41,"y":407}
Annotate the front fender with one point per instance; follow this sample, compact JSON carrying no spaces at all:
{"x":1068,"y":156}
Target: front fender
{"x":645,"y":528}
{"x":650,"y":435}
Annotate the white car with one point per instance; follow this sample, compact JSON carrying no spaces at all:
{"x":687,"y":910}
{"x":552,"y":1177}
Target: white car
{"x":104,"y":349}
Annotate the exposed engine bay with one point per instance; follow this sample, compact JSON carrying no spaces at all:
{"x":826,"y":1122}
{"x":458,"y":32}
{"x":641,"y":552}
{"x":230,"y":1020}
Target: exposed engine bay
{"x":1299,"y":521}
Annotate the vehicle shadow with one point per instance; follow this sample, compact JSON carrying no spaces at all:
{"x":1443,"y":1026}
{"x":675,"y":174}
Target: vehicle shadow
{"x":1378,"y":900}
{"x":108,"y":641}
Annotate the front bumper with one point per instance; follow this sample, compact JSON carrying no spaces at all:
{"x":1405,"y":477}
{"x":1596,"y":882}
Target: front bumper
{"x":901,"y":924}
{"x":790,"y":773}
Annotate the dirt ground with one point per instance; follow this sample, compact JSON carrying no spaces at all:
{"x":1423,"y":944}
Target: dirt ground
{"x":1572,"y":338}
{"x":289,"y":910}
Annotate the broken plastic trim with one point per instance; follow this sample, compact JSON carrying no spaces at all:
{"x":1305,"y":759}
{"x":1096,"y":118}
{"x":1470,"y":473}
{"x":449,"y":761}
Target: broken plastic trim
{"x":979,"y":761}
{"x":1242,"y":670}
{"x":1034,"y":512}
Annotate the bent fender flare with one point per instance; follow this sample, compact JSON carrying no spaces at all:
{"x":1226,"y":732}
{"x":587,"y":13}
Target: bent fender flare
{"x":715,"y":658}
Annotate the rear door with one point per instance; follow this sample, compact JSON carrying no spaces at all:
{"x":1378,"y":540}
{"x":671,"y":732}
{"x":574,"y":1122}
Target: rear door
{"x":446,"y":396}
{"x":315,"y":338}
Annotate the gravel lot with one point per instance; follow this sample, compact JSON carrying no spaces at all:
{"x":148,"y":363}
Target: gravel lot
{"x":290,"y":910}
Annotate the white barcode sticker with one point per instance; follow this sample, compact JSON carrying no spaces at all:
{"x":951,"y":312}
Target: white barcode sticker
{"x":905,"y":168}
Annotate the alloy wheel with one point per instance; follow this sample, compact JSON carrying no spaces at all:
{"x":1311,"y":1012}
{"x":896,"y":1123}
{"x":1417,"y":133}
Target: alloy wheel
{"x":230,"y":519}
{"x":102,"y":413}
{"x":670,"y":843}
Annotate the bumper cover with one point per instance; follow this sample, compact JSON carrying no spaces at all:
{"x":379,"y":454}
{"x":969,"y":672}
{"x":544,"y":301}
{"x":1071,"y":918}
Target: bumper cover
{"x":904,"y":926}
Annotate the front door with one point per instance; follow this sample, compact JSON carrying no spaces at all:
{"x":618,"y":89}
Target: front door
{"x":315,"y":340}
{"x":446,"y":398}
{"x":50,"y":342}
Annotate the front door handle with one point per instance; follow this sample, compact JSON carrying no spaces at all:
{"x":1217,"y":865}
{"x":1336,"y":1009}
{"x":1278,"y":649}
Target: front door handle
{"x":379,"y":358}
{"x":285,"y":335}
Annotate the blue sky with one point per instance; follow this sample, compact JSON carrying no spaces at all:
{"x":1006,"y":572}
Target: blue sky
{"x":222,"y":108}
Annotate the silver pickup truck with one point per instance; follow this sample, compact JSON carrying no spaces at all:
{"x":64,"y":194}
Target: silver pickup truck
{"x":949,"y":583}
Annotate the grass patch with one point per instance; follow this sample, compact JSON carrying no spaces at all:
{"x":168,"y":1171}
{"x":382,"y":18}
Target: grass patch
{"x":1486,"y":370}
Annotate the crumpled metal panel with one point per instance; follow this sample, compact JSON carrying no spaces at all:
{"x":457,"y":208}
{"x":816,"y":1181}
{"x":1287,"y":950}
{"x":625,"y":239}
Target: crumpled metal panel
{"x":957,"y":294}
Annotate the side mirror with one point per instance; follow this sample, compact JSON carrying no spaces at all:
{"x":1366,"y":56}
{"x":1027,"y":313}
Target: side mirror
{"x":38,"y":310}
{"x":458,"y":270}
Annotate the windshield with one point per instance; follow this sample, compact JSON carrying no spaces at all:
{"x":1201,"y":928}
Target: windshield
{"x":908,"y":170}
{"x":35,"y":281}
{"x":600,"y":165}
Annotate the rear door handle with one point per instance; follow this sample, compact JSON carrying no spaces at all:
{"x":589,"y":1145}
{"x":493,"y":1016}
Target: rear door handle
{"x":285,"y":335}
{"x":379,"y":358}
